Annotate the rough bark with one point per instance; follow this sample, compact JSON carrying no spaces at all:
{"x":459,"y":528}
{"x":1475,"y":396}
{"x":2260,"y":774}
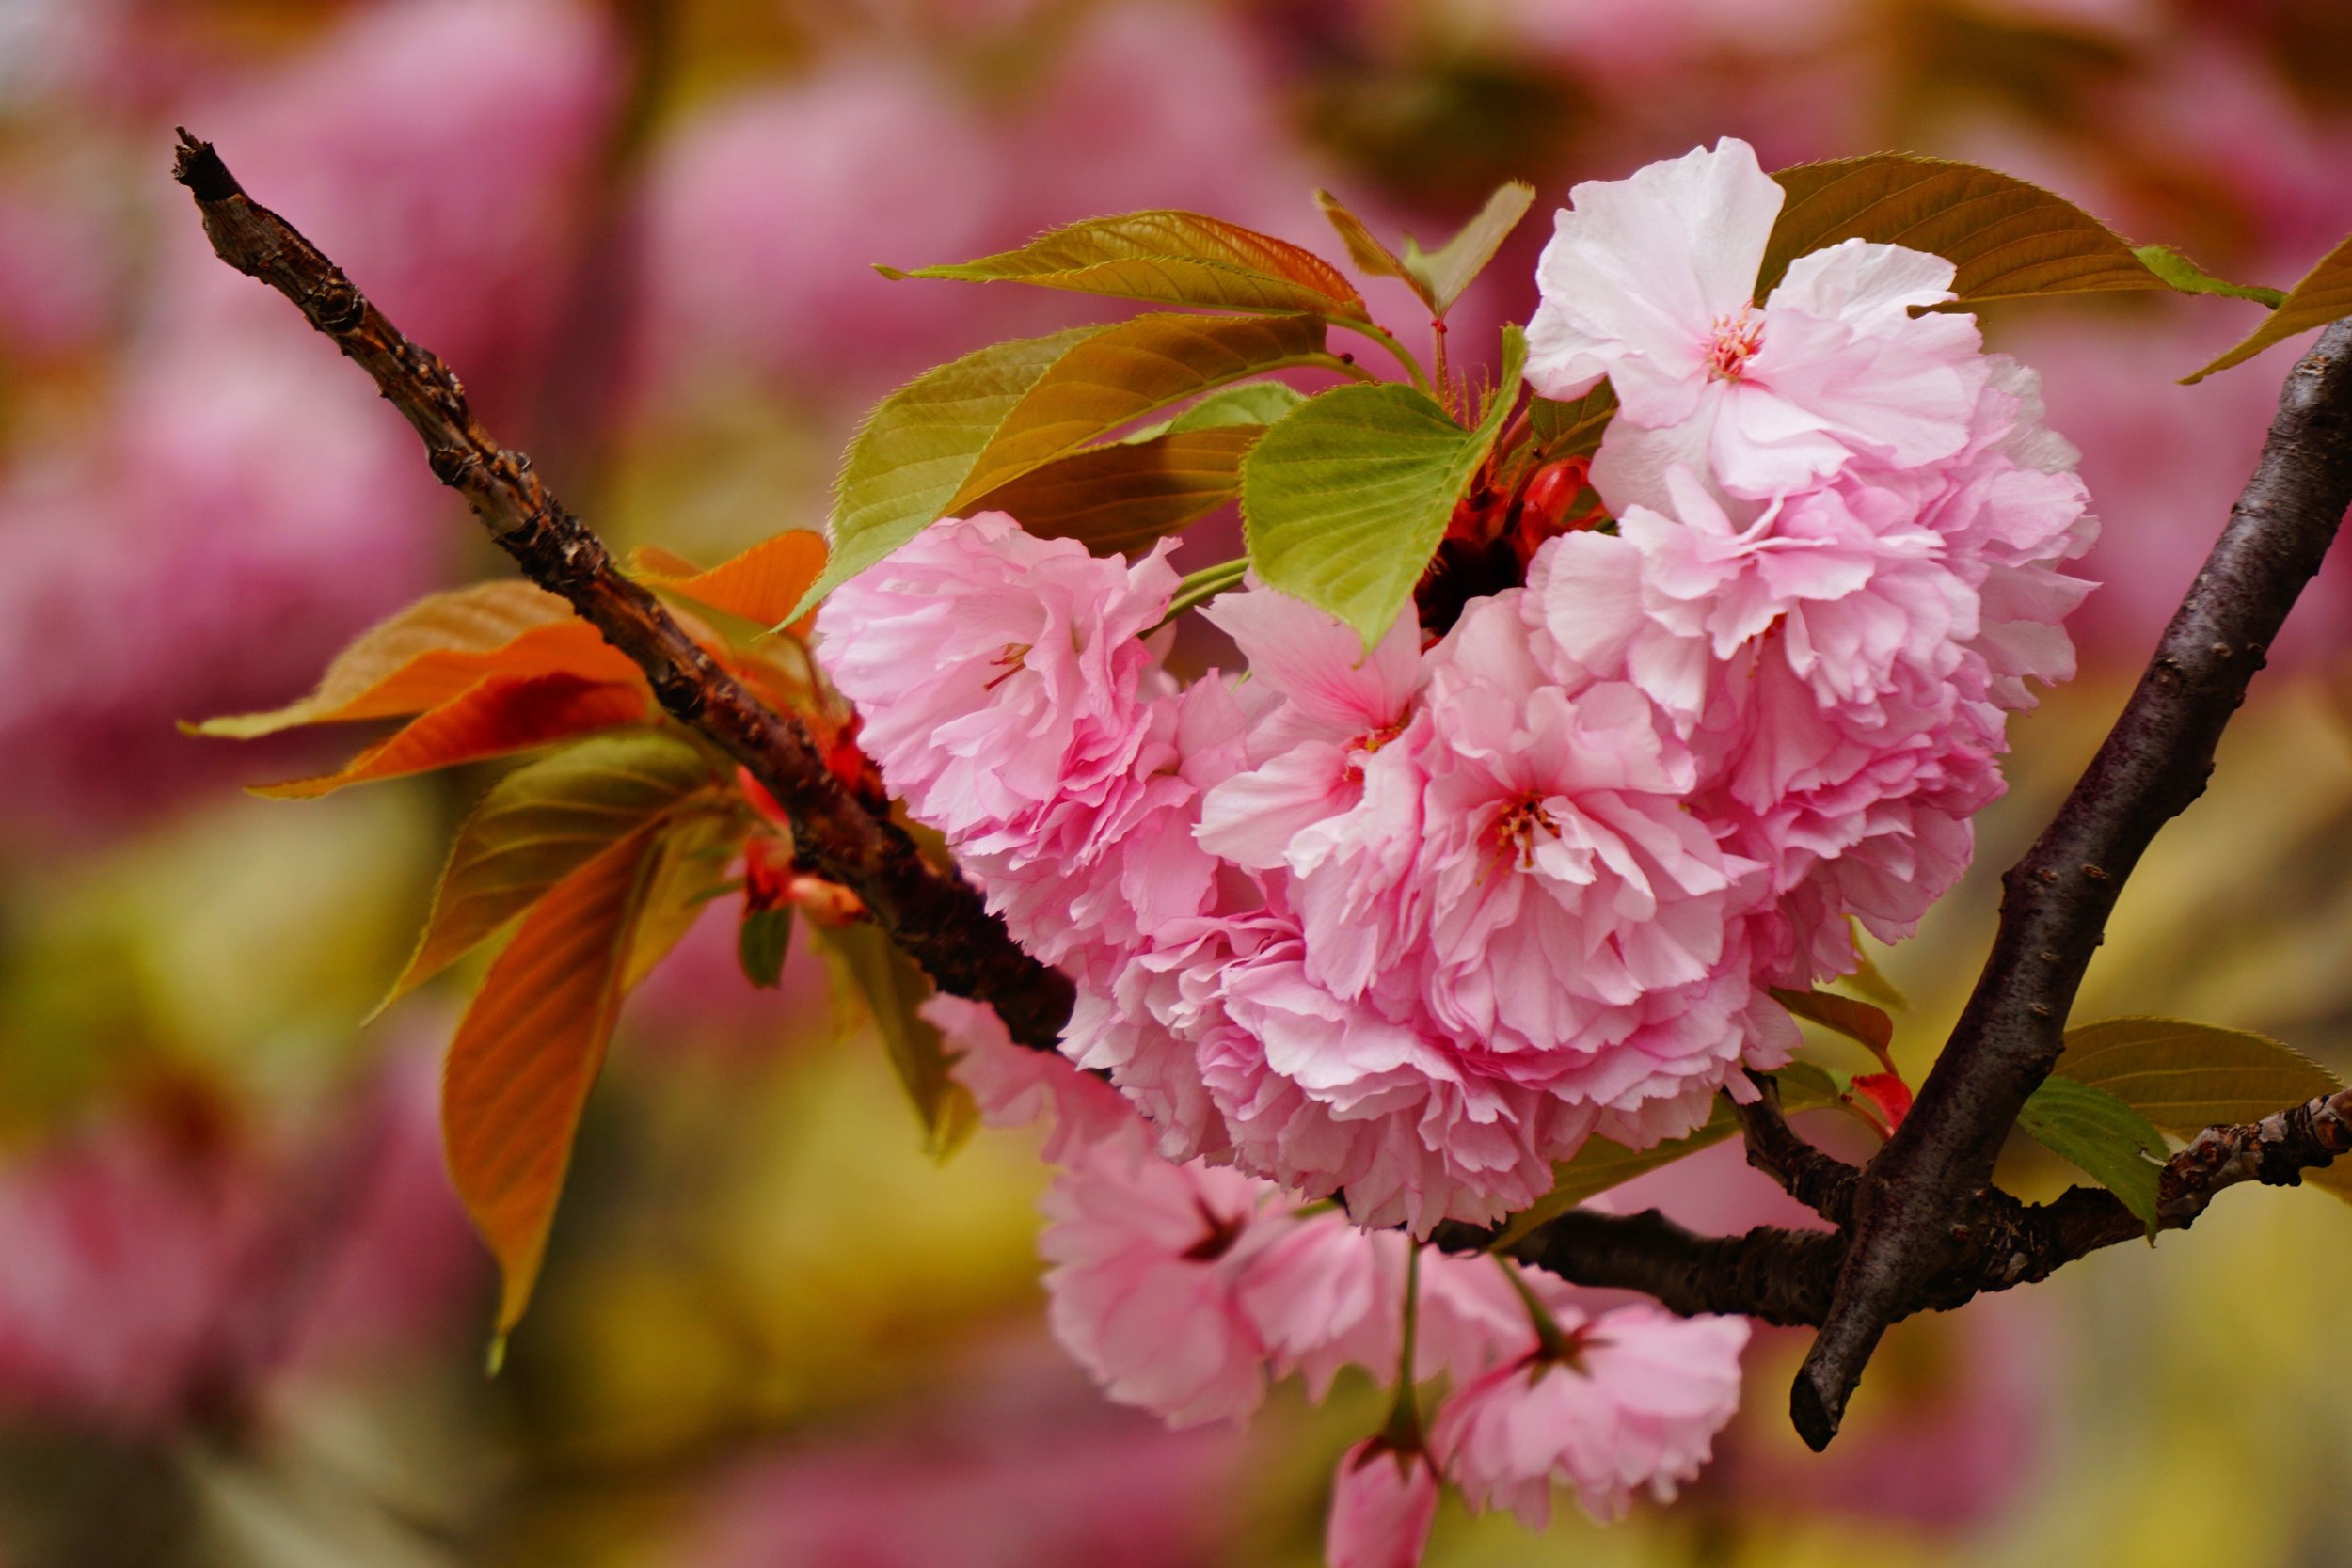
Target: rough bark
{"x":937,"y":918}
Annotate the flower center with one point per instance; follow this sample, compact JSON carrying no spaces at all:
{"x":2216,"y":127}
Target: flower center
{"x":1219,"y":1239}
{"x":1011,"y":661}
{"x":1515,"y":829}
{"x":1735,"y":343}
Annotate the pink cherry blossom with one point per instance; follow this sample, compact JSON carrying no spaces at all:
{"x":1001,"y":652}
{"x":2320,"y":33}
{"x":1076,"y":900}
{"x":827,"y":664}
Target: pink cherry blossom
{"x":1650,"y":281}
{"x":1635,"y":1406}
{"x":767,"y":212}
{"x":1146,"y":1258}
{"x":1016,"y":1087}
{"x":1324,"y":1296}
{"x":1009,"y":699}
{"x":1383,"y":1501}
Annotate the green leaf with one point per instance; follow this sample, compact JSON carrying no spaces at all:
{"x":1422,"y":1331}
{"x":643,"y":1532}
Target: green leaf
{"x":2010,"y":240}
{"x":1128,"y":370}
{"x":1868,"y":980}
{"x":539,"y":824}
{"x":915,"y":450}
{"x":1442,"y":275}
{"x":1570,"y":429}
{"x":527,"y":1052}
{"x":1601,"y":1164}
{"x":1439,"y":277}
{"x":1345,"y":498}
{"x":1258,"y":403}
{"x":2105,"y":1138}
{"x":1170,"y":258}
{"x":691,"y":863}
{"x":874,"y":974}
{"x":1125,"y":495}
{"x":2323,"y":295}
{"x":2180,"y":273}
{"x":760,"y":945}
{"x":2186,"y":1077}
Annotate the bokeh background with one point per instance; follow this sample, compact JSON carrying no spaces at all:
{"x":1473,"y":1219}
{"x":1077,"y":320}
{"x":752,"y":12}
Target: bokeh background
{"x":242,"y":1321}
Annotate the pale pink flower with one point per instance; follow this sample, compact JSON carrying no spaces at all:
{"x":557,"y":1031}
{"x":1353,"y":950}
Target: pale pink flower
{"x":1383,"y":1500}
{"x":1009,"y":698}
{"x":1016,"y":1087}
{"x":998,"y":674}
{"x":1332,"y":793}
{"x":1636,"y":1406}
{"x":1084,"y":884}
{"x":1146,"y":1258}
{"x":1650,"y":282}
{"x":1324,"y":1296}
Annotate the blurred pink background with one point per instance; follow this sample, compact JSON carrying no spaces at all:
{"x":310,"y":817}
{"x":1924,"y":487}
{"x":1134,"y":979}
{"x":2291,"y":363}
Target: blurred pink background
{"x":241,"y":1318}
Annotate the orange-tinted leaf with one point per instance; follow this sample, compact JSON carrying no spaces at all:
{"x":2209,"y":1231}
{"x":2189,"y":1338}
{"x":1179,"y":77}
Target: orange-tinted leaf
{"x":526,"y":1053}
{"x":1171,"y":258}
{"x":545,"y":820}
{"x":434,"y":650}
{"x":2324,"y":294}
{"x":1850,"y":1017}
{"x":2007,"y":239}
{"x":762,"y":584}
{"x":494,"y":716}
{"x":1125,"y":495}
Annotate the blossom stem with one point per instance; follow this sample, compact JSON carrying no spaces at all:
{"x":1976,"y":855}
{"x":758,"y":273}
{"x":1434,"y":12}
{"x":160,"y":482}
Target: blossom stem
{"x":1397,"y":350}
{"x":1403,"y":1433}
{"x":1553,"y":1344}
{"x":1203,"y":585}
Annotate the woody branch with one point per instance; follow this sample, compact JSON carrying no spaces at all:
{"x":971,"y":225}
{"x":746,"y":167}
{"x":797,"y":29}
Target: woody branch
{"x":937,"y":918}
{"x":1921,"y":1226}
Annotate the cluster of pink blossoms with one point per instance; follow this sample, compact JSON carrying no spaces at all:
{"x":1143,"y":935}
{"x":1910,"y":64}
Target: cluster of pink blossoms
{"x":1187,"y":1289}
{"x":1409,"y":925}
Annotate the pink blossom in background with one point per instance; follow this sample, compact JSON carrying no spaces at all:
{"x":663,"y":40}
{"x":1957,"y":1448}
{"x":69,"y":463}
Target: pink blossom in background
{"x":2166,"y":463}
{"x":1015,"y":1465}
{"x":1637,"y":1408}
{"x":1382,"y":1505}
{"x":442,"y":150}
{"x":1641,"y":39}
{"x":59,"y":266}
{"x":246,"y":511}
{"x":1152,"y":104}
{"x":404,"y":1263}
{"x":765,"y":216}
{"x":162,"y":1275}
{"x":120,"y":1252}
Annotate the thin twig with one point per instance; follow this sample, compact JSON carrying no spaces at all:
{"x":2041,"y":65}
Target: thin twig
{"x":937,"y":918}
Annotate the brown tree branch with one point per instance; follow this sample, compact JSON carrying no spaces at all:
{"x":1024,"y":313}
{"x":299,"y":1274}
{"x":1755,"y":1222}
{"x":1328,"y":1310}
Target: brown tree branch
{"x":1918,"y":1200}
{"x":1925,"y":1227}
{"x":1822,"y":1182}
{"x":1789,"y":1276}
{"x":939,"y":919}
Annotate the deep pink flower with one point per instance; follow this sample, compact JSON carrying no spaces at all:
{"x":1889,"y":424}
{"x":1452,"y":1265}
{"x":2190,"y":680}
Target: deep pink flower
{"x":1383,"y":1500}
{"x":1635,"y":1407}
